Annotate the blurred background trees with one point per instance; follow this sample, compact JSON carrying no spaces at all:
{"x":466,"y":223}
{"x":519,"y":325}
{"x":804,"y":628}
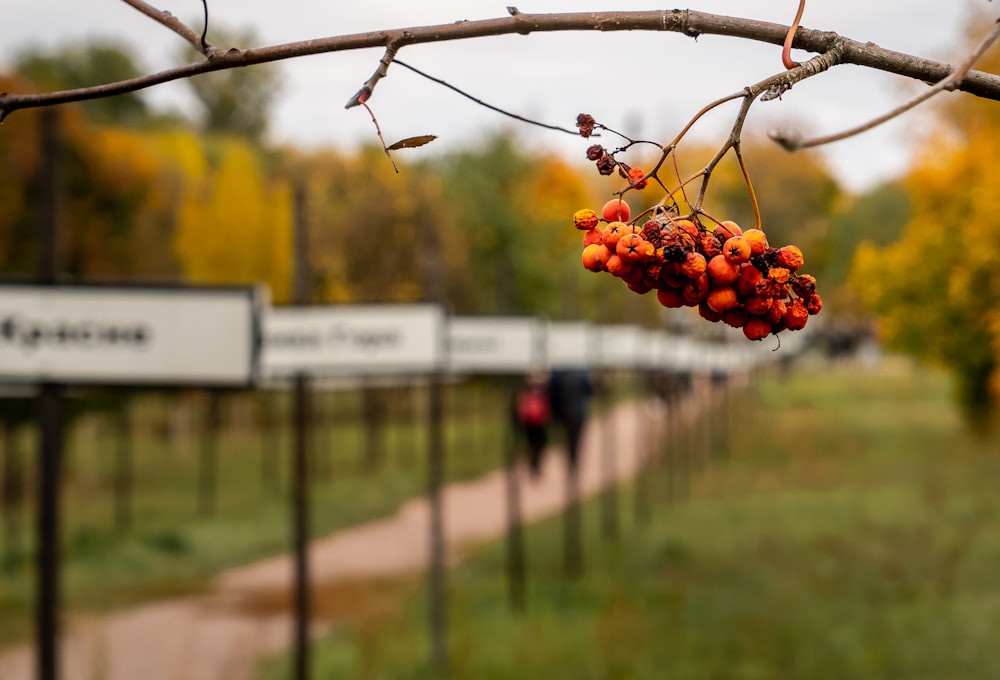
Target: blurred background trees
{"x":485,"y":229}
{"x":936,"y":289}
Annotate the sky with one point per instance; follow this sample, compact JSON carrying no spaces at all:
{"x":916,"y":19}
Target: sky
{"x":645,"y":84}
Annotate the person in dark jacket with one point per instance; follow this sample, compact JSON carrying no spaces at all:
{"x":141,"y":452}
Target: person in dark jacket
{"x":569,"y":395}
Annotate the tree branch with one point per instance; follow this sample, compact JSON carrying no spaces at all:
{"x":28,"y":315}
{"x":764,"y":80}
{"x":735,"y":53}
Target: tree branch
{"x":791,"y":140}
{"x":170,"y":21}
{"x":687,"y":22}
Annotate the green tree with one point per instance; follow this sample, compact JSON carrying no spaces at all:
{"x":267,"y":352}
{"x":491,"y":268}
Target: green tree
{"x":236,"y":101}
{"x":89,"y":64}
{"x":515,"y":211}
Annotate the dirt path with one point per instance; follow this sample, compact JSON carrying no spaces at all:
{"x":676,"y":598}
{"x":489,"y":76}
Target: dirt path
{"x":213,"y":637}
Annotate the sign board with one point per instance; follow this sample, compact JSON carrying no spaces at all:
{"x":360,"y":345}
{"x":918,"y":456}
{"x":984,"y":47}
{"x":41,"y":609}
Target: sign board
{"x":676,"y":353}
{"x":649,"y":342}
{"x":506,"y":345}
{"x":619,"y":346}
{"x":571,"y":345}
{"x":354,"y":340}
{"x":100,"y":335}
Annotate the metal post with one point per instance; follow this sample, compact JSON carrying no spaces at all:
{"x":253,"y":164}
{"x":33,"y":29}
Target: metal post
{"x":50,"y":419}
{"x":13,"y":495}
{"x":435,"y":480}
{"x":208,"y":474}
{"x":300,"y":525}
{"x":641,"y":508}
{"x":515,"y":532}
{"x":609,"y":499}
{"x":572,"y":539}
{"x":123,"y":468}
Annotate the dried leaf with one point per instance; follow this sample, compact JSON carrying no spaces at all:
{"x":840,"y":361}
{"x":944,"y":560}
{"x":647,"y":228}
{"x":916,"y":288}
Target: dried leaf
{"x":412,"y":142}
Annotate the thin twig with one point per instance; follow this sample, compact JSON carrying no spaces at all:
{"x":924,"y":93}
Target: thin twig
{"x":204,"y":29}
{"x":491,"y":107}
{"x":791,"y":140}
{"x":174,"y":24}
{"x":366,"y":90}
{"x":746,"y":178}
{"x":786,"y":50}
{"x":378,"y":131}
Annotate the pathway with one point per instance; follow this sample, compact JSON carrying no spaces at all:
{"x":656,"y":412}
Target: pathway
{"x":213,"y":637}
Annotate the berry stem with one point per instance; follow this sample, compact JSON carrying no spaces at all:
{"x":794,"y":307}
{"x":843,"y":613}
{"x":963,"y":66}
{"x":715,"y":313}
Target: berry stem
{"x":786,"y":52}
{"x":746,"y":178}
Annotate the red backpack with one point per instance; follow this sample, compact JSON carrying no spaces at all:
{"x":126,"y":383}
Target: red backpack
{"x":533,"y":407}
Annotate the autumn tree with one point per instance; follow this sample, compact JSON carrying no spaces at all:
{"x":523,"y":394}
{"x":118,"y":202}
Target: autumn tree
{"x":937,"y":289}
{"x":234,"y":225}
{"x":512,"y":205}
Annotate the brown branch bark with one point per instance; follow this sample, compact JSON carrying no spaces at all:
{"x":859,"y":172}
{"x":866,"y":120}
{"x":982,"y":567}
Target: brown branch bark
{"x":174,"y":24}
{"x":687,"y":22}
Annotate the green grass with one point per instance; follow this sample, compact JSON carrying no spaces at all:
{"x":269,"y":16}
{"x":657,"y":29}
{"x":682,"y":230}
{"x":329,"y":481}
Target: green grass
{"x":850,"y":530}
{"x":172,"y":548}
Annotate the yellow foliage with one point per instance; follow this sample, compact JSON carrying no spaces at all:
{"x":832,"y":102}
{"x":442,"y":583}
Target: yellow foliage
{"x":233,"y":228}
{"x":937,"y":289}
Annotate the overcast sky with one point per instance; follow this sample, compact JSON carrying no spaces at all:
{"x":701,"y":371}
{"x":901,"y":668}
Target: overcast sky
{"x":648,"y":84}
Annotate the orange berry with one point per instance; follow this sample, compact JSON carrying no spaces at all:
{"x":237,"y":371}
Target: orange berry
{"x":727,"y":229}
{"x":634,"y":248}
{"x":722,"y":271}
{"x":736,"y":317}
{"x":814,"y":303}
{"x":616,"y":210}
{"x":693,"y":265}
{"x":778,"y":274}
{"x":585,"y":219}
{"x":617,"y":266}
{"x":614,"y":231}
{"x":796,"y":316}
{"x":707,"y":313}
{"x":804,"y":285}
{"x":776,"y":313}
{"x":758,"y":305}
{"x":634,"y":177}
{"x":595,"y":257}
{"x":790,"y":257}
{"x":757,"y":239}
{"x":709,"y":245}
{"x":592,"y":236}
{"x":756,"y":328}
{"x":696,"y":290}
{"x":670,"y":298}
{"x":736,"y":250}
{"x":747,"y":283}
{"x":721,"y":299}
{"x":639,"y":287}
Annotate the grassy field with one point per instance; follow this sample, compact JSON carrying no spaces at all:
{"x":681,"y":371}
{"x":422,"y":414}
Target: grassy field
{"x":172,"y":546}
{"x":849,"y":529}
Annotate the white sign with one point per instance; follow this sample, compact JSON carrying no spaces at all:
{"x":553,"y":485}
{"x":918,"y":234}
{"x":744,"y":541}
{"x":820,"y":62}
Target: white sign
{"x":619,"y":346}
{"x":354,"y":340}
{"x":676,"y":353}
{"x":571,"y":344}
{"x":139,"y":336}
{"x":496,"y":345}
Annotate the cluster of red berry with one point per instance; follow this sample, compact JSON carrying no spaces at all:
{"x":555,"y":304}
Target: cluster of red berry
{"x":728,"y":274}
